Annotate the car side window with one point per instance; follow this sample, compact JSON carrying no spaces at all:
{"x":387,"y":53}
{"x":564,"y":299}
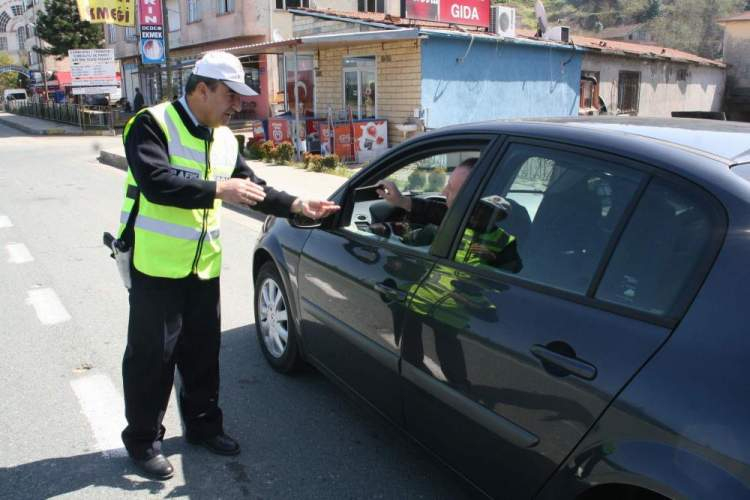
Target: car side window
{"x":423,"y":181}
{"x":666,"y":239}
{"x":547,"y":215}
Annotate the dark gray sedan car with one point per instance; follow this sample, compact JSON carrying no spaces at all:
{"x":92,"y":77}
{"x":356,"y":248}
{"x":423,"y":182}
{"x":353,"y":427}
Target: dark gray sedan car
{"x":567,"y":322}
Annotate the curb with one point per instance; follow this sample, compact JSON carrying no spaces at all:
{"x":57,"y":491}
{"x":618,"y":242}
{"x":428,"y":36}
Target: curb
{"x":52,"y":130}
{"x":119,"y":161}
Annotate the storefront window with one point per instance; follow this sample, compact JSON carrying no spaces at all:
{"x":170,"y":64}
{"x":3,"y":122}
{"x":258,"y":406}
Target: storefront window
{"x":360,"y":86}
{"x":305,"y":83}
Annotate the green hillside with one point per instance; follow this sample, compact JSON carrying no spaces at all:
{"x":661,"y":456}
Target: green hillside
{"x":683,"y":24}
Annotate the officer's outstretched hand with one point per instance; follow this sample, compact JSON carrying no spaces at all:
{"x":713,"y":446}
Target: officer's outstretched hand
{"x":314,"y":209}
{"x":241,"y":191}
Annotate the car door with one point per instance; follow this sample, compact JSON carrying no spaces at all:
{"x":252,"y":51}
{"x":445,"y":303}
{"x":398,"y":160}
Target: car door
{"x":509,"y":358}
{"x":354,"y":279}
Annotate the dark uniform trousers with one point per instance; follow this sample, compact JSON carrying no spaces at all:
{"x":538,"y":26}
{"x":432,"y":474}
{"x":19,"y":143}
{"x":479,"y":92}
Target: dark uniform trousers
{"x":173,"y":322}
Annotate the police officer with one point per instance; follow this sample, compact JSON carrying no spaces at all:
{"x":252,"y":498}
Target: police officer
{"x":183,"y":162}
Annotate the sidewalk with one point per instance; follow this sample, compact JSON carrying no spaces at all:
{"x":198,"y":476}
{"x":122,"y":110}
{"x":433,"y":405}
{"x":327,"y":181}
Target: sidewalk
{"x":37,"y":126}
{"x":294,"y":181}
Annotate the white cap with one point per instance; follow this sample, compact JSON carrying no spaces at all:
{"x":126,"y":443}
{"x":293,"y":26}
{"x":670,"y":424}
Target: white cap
{"x":226,"y":68}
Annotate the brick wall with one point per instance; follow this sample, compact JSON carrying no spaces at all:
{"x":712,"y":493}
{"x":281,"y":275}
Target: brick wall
{"x":398,"y":85}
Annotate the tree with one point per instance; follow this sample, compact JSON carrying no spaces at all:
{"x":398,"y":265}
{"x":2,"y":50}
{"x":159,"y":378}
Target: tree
{"x":690,"y":25}
{"x":11,"y":79}
{"x":652,"y":10}
{"x":61,"y":27}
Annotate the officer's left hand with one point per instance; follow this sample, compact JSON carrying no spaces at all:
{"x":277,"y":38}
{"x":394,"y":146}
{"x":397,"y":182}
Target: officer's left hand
{"x":315,"y":209}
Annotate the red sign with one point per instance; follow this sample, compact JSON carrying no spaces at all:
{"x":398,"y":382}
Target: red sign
{"x":149,"y":12}
{"x":473,"y":12}
{"x":279,"y":130}
{"x":468,"y":12}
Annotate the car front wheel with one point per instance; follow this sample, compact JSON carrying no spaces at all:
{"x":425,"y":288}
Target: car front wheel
{"x":274,"y":321}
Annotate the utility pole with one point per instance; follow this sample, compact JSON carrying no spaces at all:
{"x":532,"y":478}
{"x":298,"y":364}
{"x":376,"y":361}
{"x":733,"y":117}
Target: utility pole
{"x":165,"y":20}
{"x":35,"y":12}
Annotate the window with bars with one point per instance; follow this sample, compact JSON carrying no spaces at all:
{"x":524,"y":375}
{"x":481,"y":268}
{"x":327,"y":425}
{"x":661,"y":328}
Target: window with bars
{"x":21,"y":36}
{"x":628,"y":90}
{"x":130,"y":34}
{"x":225,"y":6}
{"x":292,"y":4}
{"x":3,"y":43}
{"x":589,"y":90}
{"x":371,"y":5}
{"x":4,"y":18}
{"x":17,"y":10}
{"x":193,"y":11}
{"x":111,"y":30}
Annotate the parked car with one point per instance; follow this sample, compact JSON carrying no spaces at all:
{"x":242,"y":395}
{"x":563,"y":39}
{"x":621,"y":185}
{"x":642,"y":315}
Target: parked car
{"x":609,"y":361}
{"x":16,"y":95}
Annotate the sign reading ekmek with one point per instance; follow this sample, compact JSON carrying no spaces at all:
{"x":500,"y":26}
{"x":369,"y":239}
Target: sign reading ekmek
{"x":152,"y":32}
{"x":468,"y":12}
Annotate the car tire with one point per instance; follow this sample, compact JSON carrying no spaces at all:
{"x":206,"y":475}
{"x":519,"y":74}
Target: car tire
{"x":274,"y":321}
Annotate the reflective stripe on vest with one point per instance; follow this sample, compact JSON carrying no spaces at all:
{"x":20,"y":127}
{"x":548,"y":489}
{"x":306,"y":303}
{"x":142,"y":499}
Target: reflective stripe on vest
{"x":173,"y":242}
{"x":495,"y":241}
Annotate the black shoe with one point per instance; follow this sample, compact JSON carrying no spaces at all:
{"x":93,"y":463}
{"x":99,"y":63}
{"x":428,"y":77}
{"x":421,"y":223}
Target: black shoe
{"x":157,"y":467}
{"x":220,"y":444}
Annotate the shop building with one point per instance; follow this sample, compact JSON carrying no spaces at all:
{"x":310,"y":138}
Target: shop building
{"x":737,"y":57}
{"x":646,"y":80}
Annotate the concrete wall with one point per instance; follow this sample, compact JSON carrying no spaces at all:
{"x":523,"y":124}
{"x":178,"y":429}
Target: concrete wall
{"x":496,"y":80}
{"x":398,"y":80}
{"x":248,"y":19}
{"x":737,"y":53}
{"x":660,"y":92}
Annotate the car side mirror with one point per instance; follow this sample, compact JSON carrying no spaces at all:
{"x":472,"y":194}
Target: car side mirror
{"x":303,"y":222}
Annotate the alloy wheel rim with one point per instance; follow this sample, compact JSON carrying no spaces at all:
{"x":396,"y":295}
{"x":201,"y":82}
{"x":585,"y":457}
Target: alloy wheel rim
{"x":273,"y":317}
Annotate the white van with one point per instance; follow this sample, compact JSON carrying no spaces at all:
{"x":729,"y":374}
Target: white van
{"x":14,"y":95}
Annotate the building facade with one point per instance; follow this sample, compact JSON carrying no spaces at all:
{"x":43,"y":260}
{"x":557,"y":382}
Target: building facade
{"x":196,"y":26}
{"x":18,"y":38}
{"x":646,"y":80}
{"x":737,"y":57}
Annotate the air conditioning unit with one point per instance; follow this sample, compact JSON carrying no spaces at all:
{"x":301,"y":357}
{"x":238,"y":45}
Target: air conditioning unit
{"x":559,"y":33}
{"x":503,"y":20}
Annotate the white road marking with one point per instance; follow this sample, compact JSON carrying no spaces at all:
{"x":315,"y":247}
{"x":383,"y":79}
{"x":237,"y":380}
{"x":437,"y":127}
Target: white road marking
{"x":47,"y":305}
{"x":104,"y":409}
{"x":18,"y":253}
{"x":5,"y":221}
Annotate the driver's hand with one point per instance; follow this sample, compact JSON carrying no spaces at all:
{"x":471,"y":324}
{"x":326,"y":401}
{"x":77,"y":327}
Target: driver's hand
{"x":390,"y":193}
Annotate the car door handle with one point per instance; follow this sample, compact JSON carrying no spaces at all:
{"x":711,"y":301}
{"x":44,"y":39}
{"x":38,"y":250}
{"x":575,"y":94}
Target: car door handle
{"x":567,"y":363}
{"x":390,"y":292}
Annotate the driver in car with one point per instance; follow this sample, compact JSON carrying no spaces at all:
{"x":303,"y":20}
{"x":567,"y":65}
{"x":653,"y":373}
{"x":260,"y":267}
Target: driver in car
{"x":484,"y":241}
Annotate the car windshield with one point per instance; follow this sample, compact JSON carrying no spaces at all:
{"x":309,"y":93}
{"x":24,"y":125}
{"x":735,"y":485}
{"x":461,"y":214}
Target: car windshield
{"x":17,"y":95}
{"x":743,"y":170}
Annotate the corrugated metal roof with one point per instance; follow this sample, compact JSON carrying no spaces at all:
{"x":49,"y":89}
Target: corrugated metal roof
{"x":326,"y":40}
{"x":614,"y":47}
{"x":642,"y":50}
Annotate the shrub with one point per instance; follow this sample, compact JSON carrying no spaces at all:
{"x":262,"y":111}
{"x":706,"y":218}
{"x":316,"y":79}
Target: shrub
{"x":416,"y":180}
{"x":267,"y":150}
{"x":436,"y":180}
{"x":240,"y":142}
{"x":315,"y":163}
{"x":254,"y":151}
{"x":284,"y":152}
{"x":330,"y":161}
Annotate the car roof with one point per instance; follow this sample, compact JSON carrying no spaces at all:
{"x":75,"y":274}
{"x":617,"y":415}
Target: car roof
{"x":725,"y":140}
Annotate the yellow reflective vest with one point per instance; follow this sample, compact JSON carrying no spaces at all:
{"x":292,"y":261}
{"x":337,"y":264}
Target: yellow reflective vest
{"x":172,"y":242}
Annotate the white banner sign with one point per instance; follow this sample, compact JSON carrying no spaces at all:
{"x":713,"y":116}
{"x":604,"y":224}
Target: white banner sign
{"x":93,"y":67}
{"x":113,"y":91}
